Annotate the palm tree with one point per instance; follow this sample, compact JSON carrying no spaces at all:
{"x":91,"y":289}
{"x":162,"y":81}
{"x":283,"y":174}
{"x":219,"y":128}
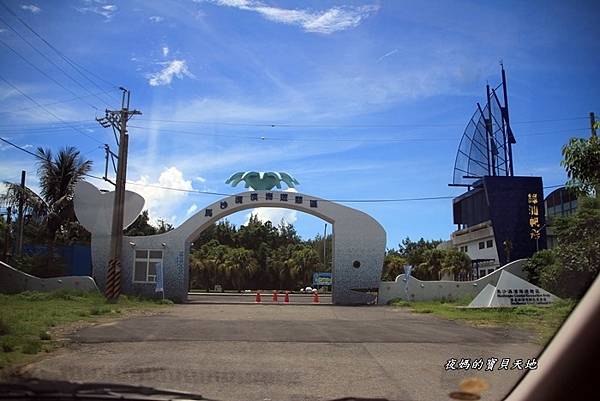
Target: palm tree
{"x":57,"y":175}
{"x":456,"y":262}
{"x":432,"y":264}
{"x":240,"y":265}
{"x":393,"y":266}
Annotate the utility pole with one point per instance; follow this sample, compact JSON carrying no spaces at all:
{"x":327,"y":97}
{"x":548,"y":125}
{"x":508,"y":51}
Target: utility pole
{"x":6,"y":235}
{"x":325,"y":247}
{"x":20,"y":216}
{"x":593,"y":123}
{"x":117,"y":119}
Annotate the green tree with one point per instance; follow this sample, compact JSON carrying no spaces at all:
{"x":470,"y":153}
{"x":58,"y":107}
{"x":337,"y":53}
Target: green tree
{"x":393,"y":265}
{"x":306,"y":262}
{"x":455,"y":262}
{"x":578,"y":246}
{"x":413,"y":251}
{"x":239,"y":265}
{"x":537,"y":263}
{"x":163,"y":227}
{"x":582,"y":163}
{"x":57,"y":173}
{"x":141,"y":226}
{"x":257,"y":255}
{"x":432,"y":264}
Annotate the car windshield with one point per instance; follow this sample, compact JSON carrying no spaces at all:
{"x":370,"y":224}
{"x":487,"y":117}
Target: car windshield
{"x":293,"y":200}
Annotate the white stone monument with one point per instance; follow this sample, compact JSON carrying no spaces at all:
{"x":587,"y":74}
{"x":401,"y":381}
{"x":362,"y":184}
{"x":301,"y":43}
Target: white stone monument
{"x":509,"y":291}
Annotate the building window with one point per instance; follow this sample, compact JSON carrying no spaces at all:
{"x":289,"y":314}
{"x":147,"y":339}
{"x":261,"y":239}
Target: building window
{"x":490,"y":271}
{"x":269,"y":196}
{"x":313,"y":203}
{"x":253,"y":197}
{"x":489,"y":243}
{"x":481,"y":245}
{"x":239,"y":199}
{"x":145,"y":264}
{"x":298,"y":199}
{"x":283,"y":197}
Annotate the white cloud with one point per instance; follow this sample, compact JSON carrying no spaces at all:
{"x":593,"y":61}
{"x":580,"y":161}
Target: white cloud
{"x":161,"y":202}
{"x":173,"y":68}
{"x":200,"y":179}
{"x":274,"y":214}
{"x":31,"y":7}
{"x":156,"y":18}
{"x":192,"y":209}
{"x":165,"y":51}
{"x":331,"y":20}
{"x":5,"y":146}
{"x":107,"y":11}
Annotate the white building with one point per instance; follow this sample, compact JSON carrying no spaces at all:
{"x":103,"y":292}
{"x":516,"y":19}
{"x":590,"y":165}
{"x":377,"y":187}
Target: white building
{"x":478,"y":242}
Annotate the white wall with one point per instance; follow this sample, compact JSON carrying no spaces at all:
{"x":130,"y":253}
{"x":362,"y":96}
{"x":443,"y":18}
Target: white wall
{"x":433,"y":290}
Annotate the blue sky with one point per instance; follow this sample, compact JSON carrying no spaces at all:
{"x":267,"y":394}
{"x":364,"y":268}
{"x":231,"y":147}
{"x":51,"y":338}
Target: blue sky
{"x":409,"y":71}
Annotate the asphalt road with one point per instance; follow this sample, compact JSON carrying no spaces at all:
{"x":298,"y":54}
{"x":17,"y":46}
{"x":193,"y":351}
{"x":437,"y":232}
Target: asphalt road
{"x":287,"y":352}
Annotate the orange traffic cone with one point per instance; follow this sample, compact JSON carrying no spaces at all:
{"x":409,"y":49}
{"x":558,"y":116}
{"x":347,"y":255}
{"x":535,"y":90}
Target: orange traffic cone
{"x":257,"y":297}
{"x":315,"y":297}
{"x":275,"y":296}
{"x":286,"y":299}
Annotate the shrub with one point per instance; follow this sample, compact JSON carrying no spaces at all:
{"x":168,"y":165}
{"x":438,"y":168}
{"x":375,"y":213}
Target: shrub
{"x":99,"y":310}
{"x":539,"y":262}
{"x":8,"y":344}
{"x":4,"y":327}
{"x":40,"y":265}
{"x":32,"y":347}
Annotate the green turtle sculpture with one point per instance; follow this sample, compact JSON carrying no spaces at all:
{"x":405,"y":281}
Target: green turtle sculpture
{"x":258,"y":180}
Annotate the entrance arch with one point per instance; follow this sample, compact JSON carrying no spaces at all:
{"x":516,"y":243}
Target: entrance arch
{"x":358,"y":243}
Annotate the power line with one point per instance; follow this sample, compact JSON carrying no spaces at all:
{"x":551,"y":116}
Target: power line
{"x":19,"y":147}
{"x":195,"y":191}
{"x":292,"y":125}
{"x":38,"y":156}
{"x":40,"y":130}
{"x":51,"y":61}
{"x":41,"y":124}
{"x":45,"y":74}
{"x":16,"y":111}
{"x":77,"y":67}
{"x":387,"y":140}
{"x":48,"y":111}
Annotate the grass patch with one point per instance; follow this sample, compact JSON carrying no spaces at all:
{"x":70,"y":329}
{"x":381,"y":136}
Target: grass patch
{"x":8,"y":344}
{"x":544,"y":321}
{"x":26,"y":318}
{"x":31,"y":347}
{"x":4,"y":329}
